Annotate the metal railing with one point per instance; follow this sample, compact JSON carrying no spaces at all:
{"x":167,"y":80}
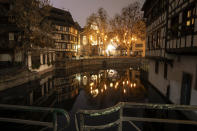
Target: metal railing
{"x":53,"y":111}
{"x":80,"y":115}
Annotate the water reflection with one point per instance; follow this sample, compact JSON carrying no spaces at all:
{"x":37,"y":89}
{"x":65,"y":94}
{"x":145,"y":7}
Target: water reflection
{"x":114,"y":85}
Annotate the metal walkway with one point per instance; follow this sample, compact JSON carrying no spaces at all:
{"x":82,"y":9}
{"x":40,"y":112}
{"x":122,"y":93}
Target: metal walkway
{"x":47,"y":125}
{"x":82,"y":116}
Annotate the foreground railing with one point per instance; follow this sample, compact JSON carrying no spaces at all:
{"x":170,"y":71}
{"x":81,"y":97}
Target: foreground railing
{"x":52,"y":111}
{"x":82,"y":126}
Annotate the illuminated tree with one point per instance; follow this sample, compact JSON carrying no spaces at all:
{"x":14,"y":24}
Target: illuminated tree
{"x":129,"y":25}
{"x":97,"y":27}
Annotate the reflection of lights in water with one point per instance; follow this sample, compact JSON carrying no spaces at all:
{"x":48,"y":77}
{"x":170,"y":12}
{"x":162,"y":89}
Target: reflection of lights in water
{"x":125,"y":91}
{"x":78,"y":77}
{"x":97,"y":91}
{"x":105,"y":86}
{"x":127,"y":82}
{"x":91,"y":84}
{"x":85,"y":80}
{"x":111,"y":84}
{"x":94,"y":92}
{"x":116,"y":85}
{"x":134,"y":84}
{"x":94,"y":77}
{"x":112,"y":73}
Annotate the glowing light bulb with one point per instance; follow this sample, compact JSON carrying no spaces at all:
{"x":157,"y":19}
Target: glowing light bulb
{"x":125,"y":91}
{"x":123,"y":82}
{"x":111,"y":84}
{"x":134,"y":84}
{"x":105,"y":87}
{"x":127,"y":82}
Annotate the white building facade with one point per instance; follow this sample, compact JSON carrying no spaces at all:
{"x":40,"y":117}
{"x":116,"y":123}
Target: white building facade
{"x":171,"y":47}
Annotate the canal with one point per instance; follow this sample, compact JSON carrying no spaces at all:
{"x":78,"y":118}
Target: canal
{"x":94,"y":89}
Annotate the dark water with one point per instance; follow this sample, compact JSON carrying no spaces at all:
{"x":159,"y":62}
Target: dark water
{"x":98,"y":89}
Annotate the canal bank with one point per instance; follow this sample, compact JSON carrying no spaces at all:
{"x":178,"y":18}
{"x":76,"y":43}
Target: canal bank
{"x":23,"y":75}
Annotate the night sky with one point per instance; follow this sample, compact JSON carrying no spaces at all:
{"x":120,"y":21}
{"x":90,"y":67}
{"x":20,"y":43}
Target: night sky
{"x":81,"y":9}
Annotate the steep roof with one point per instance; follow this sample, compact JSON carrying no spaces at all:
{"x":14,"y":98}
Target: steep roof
{"x":61,"y":17}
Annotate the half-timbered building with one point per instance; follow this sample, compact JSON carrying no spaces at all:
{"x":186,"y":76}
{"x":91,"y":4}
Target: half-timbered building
{"x":171,"y":47}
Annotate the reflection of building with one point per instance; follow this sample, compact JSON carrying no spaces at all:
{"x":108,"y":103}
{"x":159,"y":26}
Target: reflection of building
{"x":66,"y":33}
{"x":66,"y":87}
{"x":172,"y":48}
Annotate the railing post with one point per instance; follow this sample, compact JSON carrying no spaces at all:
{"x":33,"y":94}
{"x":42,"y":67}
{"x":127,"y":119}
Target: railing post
{"x":54,"y":121}
{"x":81,"y":122}
{"x":121,"y":116}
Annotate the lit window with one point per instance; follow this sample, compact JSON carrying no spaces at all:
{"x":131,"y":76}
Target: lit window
{"x":192,"y":21}
{"x":188,"y":23}
{"x":189,"y":13}
{"x":11,"y":36}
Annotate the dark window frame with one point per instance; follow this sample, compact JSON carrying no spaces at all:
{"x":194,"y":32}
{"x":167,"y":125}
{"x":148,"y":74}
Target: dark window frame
{"x":174,"y":26}
{"x":156,"y":67}
{"x":165,"y":70}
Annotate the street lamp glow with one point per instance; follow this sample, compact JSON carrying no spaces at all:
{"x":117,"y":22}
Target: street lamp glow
{"x":110,"y":47}
{"x":105,"y":86}
{"x":91,"y":38}
{"x":111,"y":84}
{"x":125,"y":91}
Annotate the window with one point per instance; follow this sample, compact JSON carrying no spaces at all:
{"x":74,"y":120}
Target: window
{"x":11,"y":36}
{"x":158,"y":39}
{"x":174,"y":26}
{"x":67,"y":37}
{"x":186,"y":88}
{"x":148,"y":44}
{"x":156,"y":67}
{"x":67,"y":29}
{"x":62,"y":37}
{"x":139,"y":45}
{"x":61,"y":28}
{"x":188,"y":21}
{"x":165,"y":70}
{"x":68,"y":46}
{"x":196,"y":79}
{"x":63,"y":46}
{"x":154,"y":40}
